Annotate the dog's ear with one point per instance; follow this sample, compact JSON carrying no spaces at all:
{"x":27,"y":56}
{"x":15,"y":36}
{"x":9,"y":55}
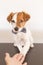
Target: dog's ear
{"x":10,"y":16}
{"x":26,"y":16}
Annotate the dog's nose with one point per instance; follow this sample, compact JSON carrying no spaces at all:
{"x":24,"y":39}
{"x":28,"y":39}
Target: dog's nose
{"x":16,"y":28}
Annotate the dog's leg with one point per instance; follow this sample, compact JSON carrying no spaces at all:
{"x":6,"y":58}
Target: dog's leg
{"x":19,"y":47}
{"x":31,"y":40}
{"x":26,"y":48}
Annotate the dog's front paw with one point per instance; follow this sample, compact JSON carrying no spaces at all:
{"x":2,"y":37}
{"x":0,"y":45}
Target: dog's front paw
{"x":32,"y":45}
{"x":24,"y":54}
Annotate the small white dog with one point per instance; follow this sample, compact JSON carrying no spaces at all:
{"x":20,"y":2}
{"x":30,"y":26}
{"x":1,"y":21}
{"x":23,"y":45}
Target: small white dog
{"x":22,"y":35}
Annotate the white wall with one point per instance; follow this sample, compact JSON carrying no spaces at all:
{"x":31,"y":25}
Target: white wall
{"x":33,"y":7}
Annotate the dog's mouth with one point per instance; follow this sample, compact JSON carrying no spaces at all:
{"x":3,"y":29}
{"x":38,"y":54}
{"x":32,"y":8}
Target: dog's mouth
{"x":15,"y":30}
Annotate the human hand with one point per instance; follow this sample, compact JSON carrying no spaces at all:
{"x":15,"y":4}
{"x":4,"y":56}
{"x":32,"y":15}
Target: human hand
{"x":17,"y":59}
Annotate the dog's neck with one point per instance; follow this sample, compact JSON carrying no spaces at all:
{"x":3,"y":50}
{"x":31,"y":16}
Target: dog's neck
{"x":22,"y":30}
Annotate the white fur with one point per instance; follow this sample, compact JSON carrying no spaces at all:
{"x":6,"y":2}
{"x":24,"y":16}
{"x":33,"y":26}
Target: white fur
{"x":15,"y":19}
{"x":23,"y":39}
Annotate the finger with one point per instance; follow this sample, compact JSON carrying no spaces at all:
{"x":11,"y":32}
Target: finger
{"x":25,"y":63}
{"x":7,"y":56}
{"x":16,"y":55}
{"x":22,"y":59}
{"x":19,"y":57}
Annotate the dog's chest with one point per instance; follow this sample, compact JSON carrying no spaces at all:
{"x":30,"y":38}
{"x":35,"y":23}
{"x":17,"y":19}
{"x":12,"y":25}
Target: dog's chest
{"x":20,"y":38}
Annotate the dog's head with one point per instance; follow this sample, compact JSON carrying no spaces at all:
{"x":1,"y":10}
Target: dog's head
{"x":18,"y":19}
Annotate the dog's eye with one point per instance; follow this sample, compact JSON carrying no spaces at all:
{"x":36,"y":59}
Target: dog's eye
{"x":13,"y":21}
{"x":21,"y":21}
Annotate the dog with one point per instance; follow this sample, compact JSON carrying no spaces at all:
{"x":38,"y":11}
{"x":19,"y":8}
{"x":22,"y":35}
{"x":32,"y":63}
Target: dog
{"x":22,"y":36}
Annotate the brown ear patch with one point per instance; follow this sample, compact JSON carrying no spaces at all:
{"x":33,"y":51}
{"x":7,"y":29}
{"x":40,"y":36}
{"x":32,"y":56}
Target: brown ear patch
{"x":10,"y":16}
{"x":26,"y":16}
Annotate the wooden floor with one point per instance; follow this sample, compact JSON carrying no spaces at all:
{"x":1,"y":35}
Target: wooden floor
{"x":34,"y":56}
